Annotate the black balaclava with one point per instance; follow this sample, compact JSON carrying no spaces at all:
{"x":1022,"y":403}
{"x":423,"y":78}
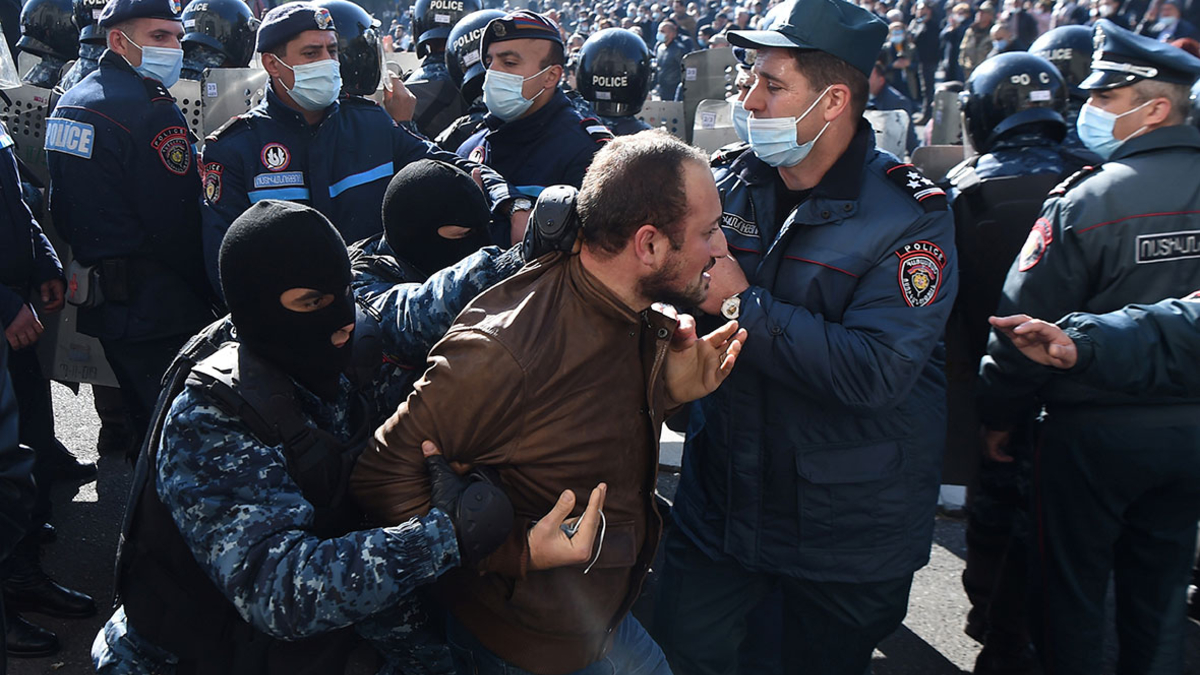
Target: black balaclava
{"x":275,"y":246}
{"x":424,"y":196}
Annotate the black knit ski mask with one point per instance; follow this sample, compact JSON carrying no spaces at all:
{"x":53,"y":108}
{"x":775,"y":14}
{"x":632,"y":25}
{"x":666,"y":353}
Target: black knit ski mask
{"x":424,"y":196}
{"x":273,"y":247}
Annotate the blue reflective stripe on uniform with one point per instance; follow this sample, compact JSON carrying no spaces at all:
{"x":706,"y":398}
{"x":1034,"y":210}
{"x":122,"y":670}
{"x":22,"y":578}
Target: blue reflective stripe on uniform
{"x":382,"y":171}
{"x":287,"y":194}
{"x":531,"y":190}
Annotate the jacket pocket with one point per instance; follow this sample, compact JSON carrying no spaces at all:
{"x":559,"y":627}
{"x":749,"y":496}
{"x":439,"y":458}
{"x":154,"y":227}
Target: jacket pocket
{"x":834,"y":465}
{"x":851,"y":498}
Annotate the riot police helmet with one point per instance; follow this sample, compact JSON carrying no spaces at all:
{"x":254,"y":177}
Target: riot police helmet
{"x":433,"y":20}
{"x":464,"y":61}
{"x":86,"y":17}
{"x":614,"y":72}
{"x":359,"y":46}
{"x":1013,"y":91}
{"x":225,"y":26}
{"x":1069,"y":48}
{"x":47,"y":29}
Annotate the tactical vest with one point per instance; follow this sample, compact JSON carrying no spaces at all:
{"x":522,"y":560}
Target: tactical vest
{"x":167,"y":596}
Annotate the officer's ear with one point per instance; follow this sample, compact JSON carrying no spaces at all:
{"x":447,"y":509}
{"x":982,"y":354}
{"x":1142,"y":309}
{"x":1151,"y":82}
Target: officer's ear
{"x":1158,"y":112}
{"x":838,"y":101}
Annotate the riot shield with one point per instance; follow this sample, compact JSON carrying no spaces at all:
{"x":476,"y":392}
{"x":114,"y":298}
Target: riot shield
{"x":891,"y":130}
{"x":438,"y":105}
{"x":26,"y":120}
{"x":947,"y":123}
{"x":707,"y":74}
{"x":226,"y":92}
{"x":935,"y":160}
{"x":401,"y":63}
{"x":714,"y":126}
{"x":665,"y":115}
{"x":187,"y":97}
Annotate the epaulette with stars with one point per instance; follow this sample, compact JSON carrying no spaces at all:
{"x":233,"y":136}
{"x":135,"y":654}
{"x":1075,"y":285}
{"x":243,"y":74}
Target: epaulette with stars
{"x":596,"y":129}
{"x":1075,"y":178}
{"x":221,"y":130}
{"x":910,"y":179}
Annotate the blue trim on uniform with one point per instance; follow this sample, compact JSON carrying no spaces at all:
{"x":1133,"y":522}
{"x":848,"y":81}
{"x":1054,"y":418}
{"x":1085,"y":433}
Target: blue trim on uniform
{"x":368,"y":176}
{"x":286,"y":194}
{"x":533,"y":191}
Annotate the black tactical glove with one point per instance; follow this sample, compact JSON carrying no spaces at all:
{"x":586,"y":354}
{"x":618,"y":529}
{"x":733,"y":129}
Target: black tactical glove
{"x":553,"y":223}
{"x":481,"y":512}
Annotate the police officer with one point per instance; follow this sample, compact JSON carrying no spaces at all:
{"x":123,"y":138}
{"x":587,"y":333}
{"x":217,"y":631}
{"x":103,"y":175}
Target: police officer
{"x":47,"y":31}
{"x":1013,"y":109}
{"x":614,"y":77}
{"x":124,"y":193}
{"x":466,"y":68}
{"x":303,"y":144}
{"x":814,"y":469}
{"x":883,"y":96}
{"x":533,"y":136}
{"x":1069,"y":48}
{"x":191,"y":580}
{"x":217,"y":34}
{"x":358,"y":47}
{"x":669,"y":51}
{"x":431,"y":25}
{"x":1117,"y":487}
{"x":91,"y":41}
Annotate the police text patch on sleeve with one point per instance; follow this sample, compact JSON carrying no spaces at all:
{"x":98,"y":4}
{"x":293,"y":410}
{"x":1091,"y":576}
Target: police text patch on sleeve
{"x":70,"y":137}
{"x":920,"y":272}
{"x":1168,"y":246}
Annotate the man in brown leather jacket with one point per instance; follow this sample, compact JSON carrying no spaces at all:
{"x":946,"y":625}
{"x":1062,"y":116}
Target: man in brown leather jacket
{"x":560,"y":378}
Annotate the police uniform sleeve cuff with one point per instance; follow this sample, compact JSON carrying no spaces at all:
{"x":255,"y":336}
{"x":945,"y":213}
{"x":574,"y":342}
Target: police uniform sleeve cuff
{"x":434,"y":541}
{"x":511,"y":260}
{"x":1085,"y":350}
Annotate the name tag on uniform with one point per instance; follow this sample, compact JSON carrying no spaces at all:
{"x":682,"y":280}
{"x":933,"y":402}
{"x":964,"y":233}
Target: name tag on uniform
{"x":274,"y":180}
{"x":70,"y":137}
{"x":1153,"y":248}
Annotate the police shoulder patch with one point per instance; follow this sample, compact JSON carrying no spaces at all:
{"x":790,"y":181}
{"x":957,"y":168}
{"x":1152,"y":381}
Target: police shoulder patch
{"x":1072,"y":180}
{"x":1035,"y":244}
{"x":174,"y":149}
{"x":910,"y":179}
{"x":920,"y":272}
{"x":211,"y":176}
{"x":235,"y":122}
{"x":596,"y":130}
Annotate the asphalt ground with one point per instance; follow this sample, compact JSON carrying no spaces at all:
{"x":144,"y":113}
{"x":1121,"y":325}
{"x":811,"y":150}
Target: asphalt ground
{"x":930,"y":642}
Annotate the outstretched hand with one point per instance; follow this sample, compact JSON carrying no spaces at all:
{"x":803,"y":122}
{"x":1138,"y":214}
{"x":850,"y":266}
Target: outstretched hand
{"x":696,"y":367}
{"x":1039,"y":341}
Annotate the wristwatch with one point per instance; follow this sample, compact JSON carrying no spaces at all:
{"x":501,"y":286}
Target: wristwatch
{"x":520,"y":204}
{"x":731,"y":307}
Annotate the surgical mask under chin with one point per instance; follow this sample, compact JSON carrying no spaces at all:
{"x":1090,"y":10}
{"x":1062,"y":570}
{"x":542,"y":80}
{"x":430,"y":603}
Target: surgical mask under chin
{"x":1095,"y":127}
{"x":503,"y":95}
{"x":159,"y":63}
{"x":774,"y":140}
{"x":316,"y":85}
{"x":740,"y":118}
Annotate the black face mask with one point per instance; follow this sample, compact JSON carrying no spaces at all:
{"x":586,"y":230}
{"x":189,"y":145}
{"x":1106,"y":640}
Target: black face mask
{"x":273,"y":247}
{"x":411,"y":218}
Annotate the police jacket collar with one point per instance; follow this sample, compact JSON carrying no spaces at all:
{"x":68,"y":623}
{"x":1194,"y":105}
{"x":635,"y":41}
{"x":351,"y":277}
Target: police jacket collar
{"x":836,"y":196}
{"x":111,"y":59}
{"x":281,"y":111}
{"x":1179,"y":135}
{"x":531,"y":127}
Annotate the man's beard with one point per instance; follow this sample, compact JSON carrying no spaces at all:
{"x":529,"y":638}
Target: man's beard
{"x":662,"y":286}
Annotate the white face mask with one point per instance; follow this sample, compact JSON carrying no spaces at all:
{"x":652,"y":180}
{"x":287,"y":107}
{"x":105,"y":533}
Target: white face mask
{"x":504,"y":96}
{"x":316,"y":84}
{"x":774,"y":140}
{"x":159,"y":63}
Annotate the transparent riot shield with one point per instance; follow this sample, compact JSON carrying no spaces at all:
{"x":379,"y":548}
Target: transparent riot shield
{"x":891,"y":130}
{"x":713,"y":128}
{"x":438,"y":105}
{"x":401,"y":63}
{"x":947,"y":123}
{"x":936,"y":160}
{"x":187,"y":97}
{"x":224,"y":93}
{"x":665,"y":115}
{"x":707,"y":74}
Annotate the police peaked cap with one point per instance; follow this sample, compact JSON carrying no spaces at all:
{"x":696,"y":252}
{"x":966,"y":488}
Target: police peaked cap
{"x":119,"y":11}
{"x":1121,"y":58}
{"x":287,"y":21}
{"x":519,"y":25}
{"x":835,"y":27}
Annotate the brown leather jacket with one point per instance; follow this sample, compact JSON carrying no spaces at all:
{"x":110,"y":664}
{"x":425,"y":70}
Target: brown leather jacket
{"x":552,"y":380}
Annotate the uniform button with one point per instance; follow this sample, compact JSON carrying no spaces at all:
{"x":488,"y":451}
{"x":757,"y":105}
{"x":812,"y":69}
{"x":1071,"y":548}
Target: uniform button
{"x":776,"y":330}
{"x":825,"y":214}
{"x":632,"y":334}
{"x":663,"y":333}
{"x":847,"y":207}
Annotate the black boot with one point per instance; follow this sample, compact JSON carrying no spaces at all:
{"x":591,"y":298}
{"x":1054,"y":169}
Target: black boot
{"x":27,"y":588}
{"x":24,"y":640}
{"x":1005,"y":654}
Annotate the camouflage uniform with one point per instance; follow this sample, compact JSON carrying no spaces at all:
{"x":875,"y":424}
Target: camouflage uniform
{"x":249,"y":526}
{"x":89,"y":60}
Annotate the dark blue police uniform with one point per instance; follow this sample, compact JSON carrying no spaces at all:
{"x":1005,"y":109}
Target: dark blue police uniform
{"x":626,"y":125}
{"x":433,"y":67}
{"x":125,"y":194}
{"x":1118,"y":480}
{"x":341,"y":167}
